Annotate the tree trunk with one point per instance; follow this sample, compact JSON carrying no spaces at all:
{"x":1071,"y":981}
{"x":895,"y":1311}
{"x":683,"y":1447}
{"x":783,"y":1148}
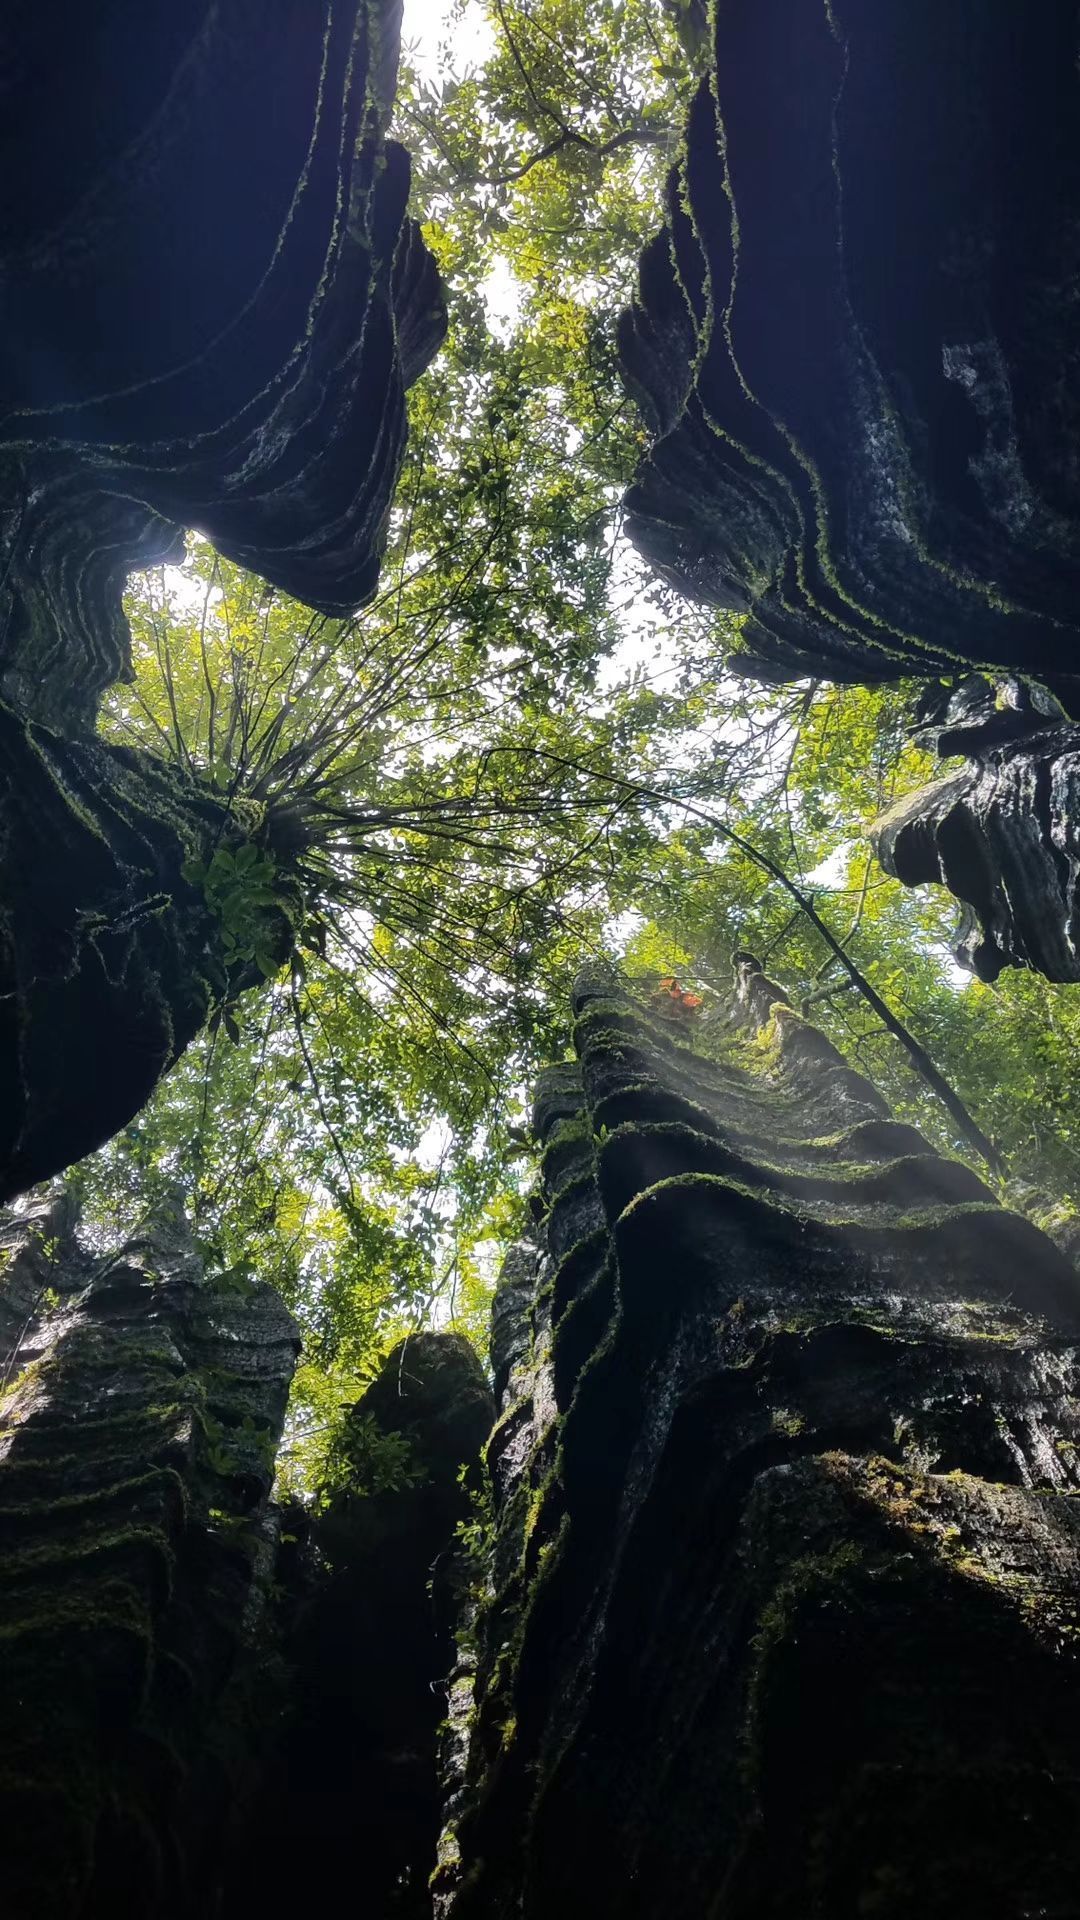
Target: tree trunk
{"x":785,"y":1609}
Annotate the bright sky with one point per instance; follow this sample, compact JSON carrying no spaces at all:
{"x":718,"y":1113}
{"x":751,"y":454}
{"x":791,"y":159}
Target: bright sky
{"x":442,"y":34}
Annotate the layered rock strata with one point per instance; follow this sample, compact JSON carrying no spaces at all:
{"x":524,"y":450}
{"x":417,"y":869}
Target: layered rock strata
{"x":212,"y":304}
{"x":140,"y":1410}
{"x":784,"y":1588}
{"x":855,"y":341}
{"x":1002,"y":832}
{"x":111,"y":957}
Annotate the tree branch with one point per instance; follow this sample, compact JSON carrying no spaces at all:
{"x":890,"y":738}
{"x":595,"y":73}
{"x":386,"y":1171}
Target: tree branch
{"x":917,"y":1054}
{"x":629,"y":137}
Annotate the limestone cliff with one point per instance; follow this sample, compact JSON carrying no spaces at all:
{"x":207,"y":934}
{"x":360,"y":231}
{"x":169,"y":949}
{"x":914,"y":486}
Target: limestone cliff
{"x":140,"y":1411}
{"x":855,"y":340}
{"x":1002,"y":832}
{"x":207,"y":1704}
{"x":213,"y":303}
{"x":855,"y":346}
{"x":111,"y":957}
{"x":783,"y":1612}
{"x":351,"y":1791}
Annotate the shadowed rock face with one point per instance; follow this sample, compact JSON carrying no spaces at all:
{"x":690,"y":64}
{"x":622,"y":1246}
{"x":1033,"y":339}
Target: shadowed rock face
{"x":212,"y":304}
{"x":1002,"y":832}
{"x":353,"y":1786}
{"x":784,"y":1615}
{"x":855,"y":341}
{"x":198,"y":1712}
{"x":110,"y":960}
{"x":140,"y":1410}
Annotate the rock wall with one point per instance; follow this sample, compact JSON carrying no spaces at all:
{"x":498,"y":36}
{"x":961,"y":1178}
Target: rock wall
{"x":1003,"y":831}
{"x":855,"y":340}
{"x":212,"y":306}
{"x":783,"y":1611}
{"x":855,"y":347}
{"x":208,"y":1704}
{"x":140,"y":1410}
{"x":213,"y":303}
{"x":110,"y":957}
{"x":352,"y":1784}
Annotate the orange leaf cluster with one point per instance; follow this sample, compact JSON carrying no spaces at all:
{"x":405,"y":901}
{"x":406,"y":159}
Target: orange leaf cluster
{"x":671,"y":994}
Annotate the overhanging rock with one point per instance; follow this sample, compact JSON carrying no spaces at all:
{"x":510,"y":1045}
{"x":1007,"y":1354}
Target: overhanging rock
{"x":855,"y":341}
{"x":1002,"y":832}
{"x":110,"y":958}
{"x":212,"y":305}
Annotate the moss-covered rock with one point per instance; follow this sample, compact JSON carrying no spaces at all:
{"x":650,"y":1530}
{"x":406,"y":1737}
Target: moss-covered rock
{"x":783,"y":1590}
{"x":213,"y":305}
{"x":136,"y":1528}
